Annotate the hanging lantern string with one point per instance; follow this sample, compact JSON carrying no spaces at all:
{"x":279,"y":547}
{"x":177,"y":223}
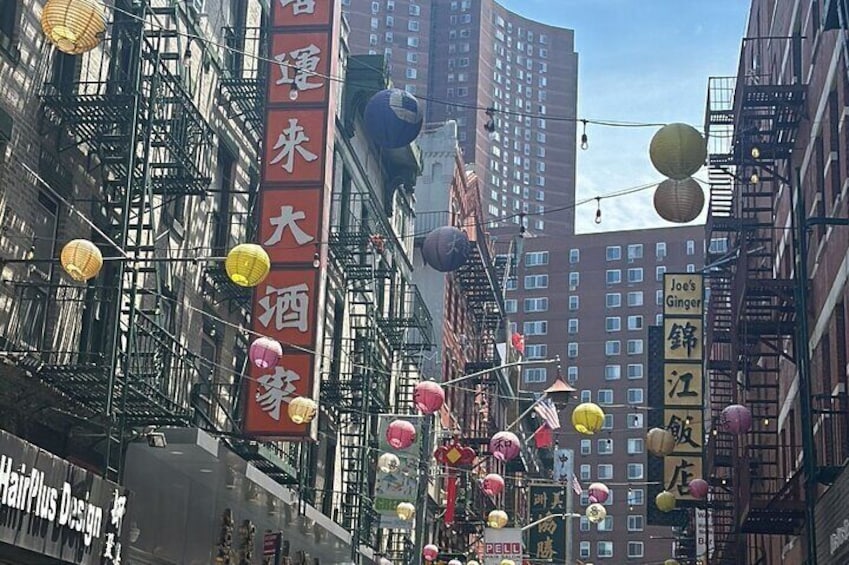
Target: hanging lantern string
{"x":211,"y":43}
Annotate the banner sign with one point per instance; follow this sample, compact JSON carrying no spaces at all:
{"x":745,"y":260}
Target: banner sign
{"x":390,"y":489}
{"x":547,"y":540}
{"x":293,"y":209}
{"x":502,"y":543}
{"x":54,"y":508}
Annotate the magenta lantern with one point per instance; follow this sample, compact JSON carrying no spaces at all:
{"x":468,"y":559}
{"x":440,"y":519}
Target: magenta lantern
{"x":504,"y":446}
{"x":698,"y":488}
{"x":599,"y":491}
{"x":401,"y":434}
{"x":428,"y":397}
{"x":493,"y":484}
{"x":736,"y":419}
{"x":265,"y":352}
{"x":430,"y":552}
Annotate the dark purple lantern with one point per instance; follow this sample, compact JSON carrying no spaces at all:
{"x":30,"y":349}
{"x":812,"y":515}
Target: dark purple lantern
{"x":393,"y":118}
{"x":446,"y":249}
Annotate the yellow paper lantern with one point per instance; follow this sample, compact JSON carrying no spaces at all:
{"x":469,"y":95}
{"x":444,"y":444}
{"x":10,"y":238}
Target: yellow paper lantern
{"x":671,"y":562}
{"x":587,"y":418}
{"x":497,"y":519}
{"x":596,"y":512}
{"x":302,"y":410}
{"x":73,"y":26}
{"x":247,"y":264}
{"x":81,"y":259}
{"x":679,"y":201}
{"x":660,"y":442}
{"x":677,"y":151}
{"x":665,"y":501}
{"x":473,"y":562}
{"x":405,"y":511}
{"x":507,"y":562}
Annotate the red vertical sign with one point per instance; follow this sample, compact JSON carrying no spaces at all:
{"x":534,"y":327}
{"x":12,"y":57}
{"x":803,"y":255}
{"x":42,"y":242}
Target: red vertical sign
{"x":294,"y":208}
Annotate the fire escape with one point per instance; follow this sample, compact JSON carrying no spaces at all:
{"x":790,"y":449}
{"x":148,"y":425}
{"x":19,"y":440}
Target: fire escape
{"x":751,"y":125}
{"x":150,"y":145}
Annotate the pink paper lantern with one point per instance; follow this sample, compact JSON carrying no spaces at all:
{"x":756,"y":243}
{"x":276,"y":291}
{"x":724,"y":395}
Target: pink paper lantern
{"x":265,"y":352}
{"x":698,"y":488}
{"x":736,"y":419}
{"x":493,"y":484}
{"x":401,"y":434}
{"x":430,"y":552}
{"x":428,"y":397}
{"x":599,"y":491}
{"x":504,"y":446}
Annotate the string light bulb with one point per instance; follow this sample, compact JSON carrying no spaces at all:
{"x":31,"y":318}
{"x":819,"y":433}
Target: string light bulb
{"x":187,"y":56}
{"x":598,"y":209}
{"x":754,"y":178}
{"x":489,"y":126}
{"x":585,"y":144}
{"x":756,"y":152}
{"x":293,"y":91}
{"x":316,"y":260}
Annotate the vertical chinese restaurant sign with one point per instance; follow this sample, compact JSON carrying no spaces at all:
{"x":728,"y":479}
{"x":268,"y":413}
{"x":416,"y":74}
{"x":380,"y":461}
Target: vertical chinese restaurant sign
{"x":683,"y":380}
{"x":294,"y":209}
{"x":547,"y":540}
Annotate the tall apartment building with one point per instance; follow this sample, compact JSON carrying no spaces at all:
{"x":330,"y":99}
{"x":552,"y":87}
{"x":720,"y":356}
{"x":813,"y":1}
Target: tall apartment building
{"x":462,"y":57}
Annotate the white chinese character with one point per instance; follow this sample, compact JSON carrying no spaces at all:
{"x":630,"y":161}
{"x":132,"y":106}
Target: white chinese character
{"x":289,"y":309}
{"x":300,"y":6}
{"x":288,"y":218}
{"x":279,"y":388}
{"x":119,"y":508}
{"x":109,"y":546}
{"x":290,"y":141}
{"x":304,"y":62}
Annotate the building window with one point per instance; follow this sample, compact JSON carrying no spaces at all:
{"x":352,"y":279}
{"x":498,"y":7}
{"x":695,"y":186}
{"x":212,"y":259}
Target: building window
{"x":605,"y":471}
{"x":606,"y":525}
{"x":605,"y":396}
{"x":536,"y":351}
{"x":612,"y":324}
{"x":574,"y":256}
{"x":635,"y":371}
{"x":536,"y":281}
{"x":691,"y":247}
{"x":613,"y":300}
{"x":660,"y":249}
{"x":535,"y":374}
{"x":635,"y":523}
{"x":635,"y":396}
{"x":572,"y":350}
{"x":635,"y":421}
{"x":635,"y":251}
{"x":635,"y":549}
{"x":604,"y":549}
{"x":574,"y":280}
{"x":635,"y":471}
{"x":584,"y":547}
{"x":612,"y":347}
{"x":586,"y":396}
{"x":536,"y":258}
{"x":635,"y":445}
{"x":415,"y":10}
{"x":635,"y":298}
{"x":613,"y":253}
{"x":635,"y":275}
{"x":635,"y":346}
{"x":572,"y":325}
{"x":574,"y":301}
{"x":636,"y":497}
{"x":658,"y":297}
{"x":8,"y":23}
{"x":586,"y":472}
{"x":586,"y":446}
{"x":612,"y":372}
{"x":511,"y":305}
{"x":413,"y":25}
{"x":605,"y":446}
{"x":691,"y":268}
{"x":659,"y":272}
{"x":585,"y":523}
{"x":635,"y":322}
{"x":571,"y":374}
{"x":608,"y":422}
{"x":536,"y":304}
{"x":614,"y":276}
{"x":538,"y":327}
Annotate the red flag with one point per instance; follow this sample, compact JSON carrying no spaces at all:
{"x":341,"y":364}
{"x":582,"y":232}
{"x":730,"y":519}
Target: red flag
{"x":518,"y":341}
{"x":544,"y":436}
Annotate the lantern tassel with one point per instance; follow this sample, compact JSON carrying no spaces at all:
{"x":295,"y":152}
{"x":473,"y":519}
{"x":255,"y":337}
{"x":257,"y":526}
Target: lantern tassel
{"x":451,"y":496}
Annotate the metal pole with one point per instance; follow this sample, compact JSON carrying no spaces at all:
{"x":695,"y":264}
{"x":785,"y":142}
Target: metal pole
{"x":569,"y":516}
{"x":809,"y":454}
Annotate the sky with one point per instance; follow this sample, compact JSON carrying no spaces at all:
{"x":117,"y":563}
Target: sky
{"x":642,"y":61}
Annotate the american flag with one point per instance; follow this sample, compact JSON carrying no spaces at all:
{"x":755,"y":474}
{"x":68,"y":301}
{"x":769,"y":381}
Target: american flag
{"x":548,"y":412}
{"x":576,"y":485}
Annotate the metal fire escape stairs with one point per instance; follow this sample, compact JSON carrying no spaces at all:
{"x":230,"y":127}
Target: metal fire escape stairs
{"x":150,"y":144}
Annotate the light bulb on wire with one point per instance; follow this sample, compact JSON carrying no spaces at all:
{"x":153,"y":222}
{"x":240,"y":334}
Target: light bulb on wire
{"x":585,"y":144}
{"x":293,"y":91}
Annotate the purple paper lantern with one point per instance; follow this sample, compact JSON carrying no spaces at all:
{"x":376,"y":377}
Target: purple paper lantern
{"x":698,"y":488}
{"x":446,"y":249}
{"x":400,"y":434}
{"x":265,"y":352}
{"x":736,"y":419}
{"x":504,"y":446}
{"x":428,"y":397}
{"x":430,"y":552}
{"x":599,"y":491}
{"x":393,"y":118}
{"x":493,"y":484}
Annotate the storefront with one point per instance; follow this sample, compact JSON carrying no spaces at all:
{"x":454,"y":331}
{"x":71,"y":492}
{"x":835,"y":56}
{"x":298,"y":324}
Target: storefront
{"x":53,"y":512}
{"x":832,"y":523}
{"x":204,"y":504}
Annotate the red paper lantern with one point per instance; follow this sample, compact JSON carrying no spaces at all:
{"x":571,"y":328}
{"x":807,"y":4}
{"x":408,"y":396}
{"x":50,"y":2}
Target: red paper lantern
{"x":430,"y":552}
{"x":504,"y":446}
{"x":736,"y":419}
{"x":401,"y":434}
{"x":698,"y":488}
{"x":599,"y":491}
{"x":265,"y":352}
{"x":493,"y":484}
{"x":428,"y":397}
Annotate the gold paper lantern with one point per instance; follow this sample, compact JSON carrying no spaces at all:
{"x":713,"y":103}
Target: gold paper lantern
{"x":73,"y":26}
{"x":665,"y":501}
{"x":671,"y":562}
{"x":507,"y":562}
{"x":497,"y":519}
{"x":405,"y":511}
{"x":596,"y":512}
{"x":302,"y":410}
{"x":247,"y":264}
{"x":660,"y":442}
{"x":679,"y":201}
{"x":81,"y":259}
{"x":677,"y":151}
{"x":587,"y":418}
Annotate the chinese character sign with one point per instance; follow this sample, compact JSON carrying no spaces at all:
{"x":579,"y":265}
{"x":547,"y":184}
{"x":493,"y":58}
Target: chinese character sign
{"x":293,"y":209}
{"x":547,"y":540}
